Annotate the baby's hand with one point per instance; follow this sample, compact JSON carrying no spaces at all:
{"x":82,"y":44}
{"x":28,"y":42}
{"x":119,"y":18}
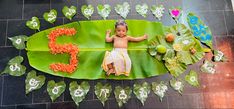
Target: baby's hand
{"x":108,"y":31}
{"x":145,"y":36}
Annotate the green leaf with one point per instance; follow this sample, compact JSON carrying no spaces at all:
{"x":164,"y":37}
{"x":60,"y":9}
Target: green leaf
{"x":69,"y":12}
{"x":34,"y":23}
{"x":219,"y":56}
{"x":177,"y":85}
{"x":175,"y":66}
{"x":34,"y":82}
{"x":141,"y":91}
{"x":192,"y":78}
{"x":50,"y":16}
{"x":55,"y":89}
{"x":123,"y":9}
{"x":18,"y":41}
{"x":208,"y":67}
{"x":104,"y":10}
{"x":78,"y":92}
{"x":159,"y":89}
{"x":142,"y":9}
{"x":14,"y":67}
{"x":157,"y":11}
{"x":87,"y":11}
{"x":103,"y":92}
{"x":200,"y":30}
{"x":122,"y":95}
{"x":90,"y":39}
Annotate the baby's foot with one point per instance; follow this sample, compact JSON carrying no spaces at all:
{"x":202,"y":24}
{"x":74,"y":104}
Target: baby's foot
{"x":109,"y":72}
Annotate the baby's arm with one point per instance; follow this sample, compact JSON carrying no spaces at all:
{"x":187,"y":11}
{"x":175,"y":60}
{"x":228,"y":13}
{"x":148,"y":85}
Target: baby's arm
{"x":108,"y":38}
{"x":137,"y":39}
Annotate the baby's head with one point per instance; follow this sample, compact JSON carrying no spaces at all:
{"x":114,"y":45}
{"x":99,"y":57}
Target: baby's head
{"x":121,"y":28}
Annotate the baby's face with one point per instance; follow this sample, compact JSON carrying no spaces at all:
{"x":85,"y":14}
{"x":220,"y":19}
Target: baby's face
{"x":121,"y":31}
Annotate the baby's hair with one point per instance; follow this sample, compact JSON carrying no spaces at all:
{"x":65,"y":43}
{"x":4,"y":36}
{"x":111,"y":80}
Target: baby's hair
{"x":121,"y":22}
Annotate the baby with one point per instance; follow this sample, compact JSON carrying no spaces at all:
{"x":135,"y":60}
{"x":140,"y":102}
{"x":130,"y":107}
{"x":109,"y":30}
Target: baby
{"x":117,"y":61}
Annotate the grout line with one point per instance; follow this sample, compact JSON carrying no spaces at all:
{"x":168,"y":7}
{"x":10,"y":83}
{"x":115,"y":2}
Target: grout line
{"x":2,"y":90}
{"x":167,"y":102}
{"x":6,"y":33}
{"x":50,"y":4}
{"x":23,"y":11}
{"x":225,"y":23}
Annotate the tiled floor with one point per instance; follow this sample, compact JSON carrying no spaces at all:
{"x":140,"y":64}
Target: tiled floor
{"x":216,"y":91}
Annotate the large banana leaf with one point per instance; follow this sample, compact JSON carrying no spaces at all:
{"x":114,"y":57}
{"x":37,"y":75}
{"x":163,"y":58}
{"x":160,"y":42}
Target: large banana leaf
{"x":90,"y":39}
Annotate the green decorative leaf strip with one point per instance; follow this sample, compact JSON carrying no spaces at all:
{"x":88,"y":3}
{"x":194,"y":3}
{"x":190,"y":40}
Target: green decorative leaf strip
{"x":34,"y":82}
{"x":18,"y":41}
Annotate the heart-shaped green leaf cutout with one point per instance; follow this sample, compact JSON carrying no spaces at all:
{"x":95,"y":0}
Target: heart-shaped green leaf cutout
{"x":159,"y":89}
{"x":123,"y":9}
{"x":78,"y":92}
{"x":103,"y":92}
{"x":122,"y":95}
{"x":34,"y":82}
{"x":34,"y":23}
{"x":18,"y":41}
{"x":192,"y":78}
{"x":14,"y":67}
{"x":208,"y":67}
{"x":157,"y":11}
{"x":87,"y":11}
{"x":50,"y":16}
{"x":142,"y":9}
{"x":104,"y":10}
{"x":69,"y":12}
{"x":141,"y":91}
{"x":219,"y":56}
{"x":55,"y":89}
{"x":177,"y":85}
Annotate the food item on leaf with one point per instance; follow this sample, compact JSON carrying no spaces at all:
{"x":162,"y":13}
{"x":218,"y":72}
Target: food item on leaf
{"x":192,"y":50}
{"x":170,"y":37}
{"x":161,"y":49}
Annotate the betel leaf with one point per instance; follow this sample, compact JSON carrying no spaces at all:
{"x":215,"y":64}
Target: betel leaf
{"x":123,"y":9}
{"x":192,"y":78}
{"x":90,"y":39}
{"x":33,"y":82}
{"x":141,"y":91}
{"x":208,"y":67}
{"x":18,"y":41}
{"x":69,"y":12}
{"x":122,"y":95}
{"x":87,"y":11}
{"x":157,"y":11}
{"x":177,"y":85}
{"x":175,"y":66}
{"x":78,"y":92}
{"x":200,"y":30}
{"x":50,"y":16}
{"x":14,"y":67}
{"x":55,"y":89}
{"x":142,"y":9}
{"x":103,"y":92}
{"x":219,"y":56}
{"x":34,"y":23}
{"x":159,"y":89}
{"x":104,"y":10}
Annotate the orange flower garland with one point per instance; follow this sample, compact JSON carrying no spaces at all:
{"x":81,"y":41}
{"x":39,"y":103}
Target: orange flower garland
{"x":65,"y":48}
